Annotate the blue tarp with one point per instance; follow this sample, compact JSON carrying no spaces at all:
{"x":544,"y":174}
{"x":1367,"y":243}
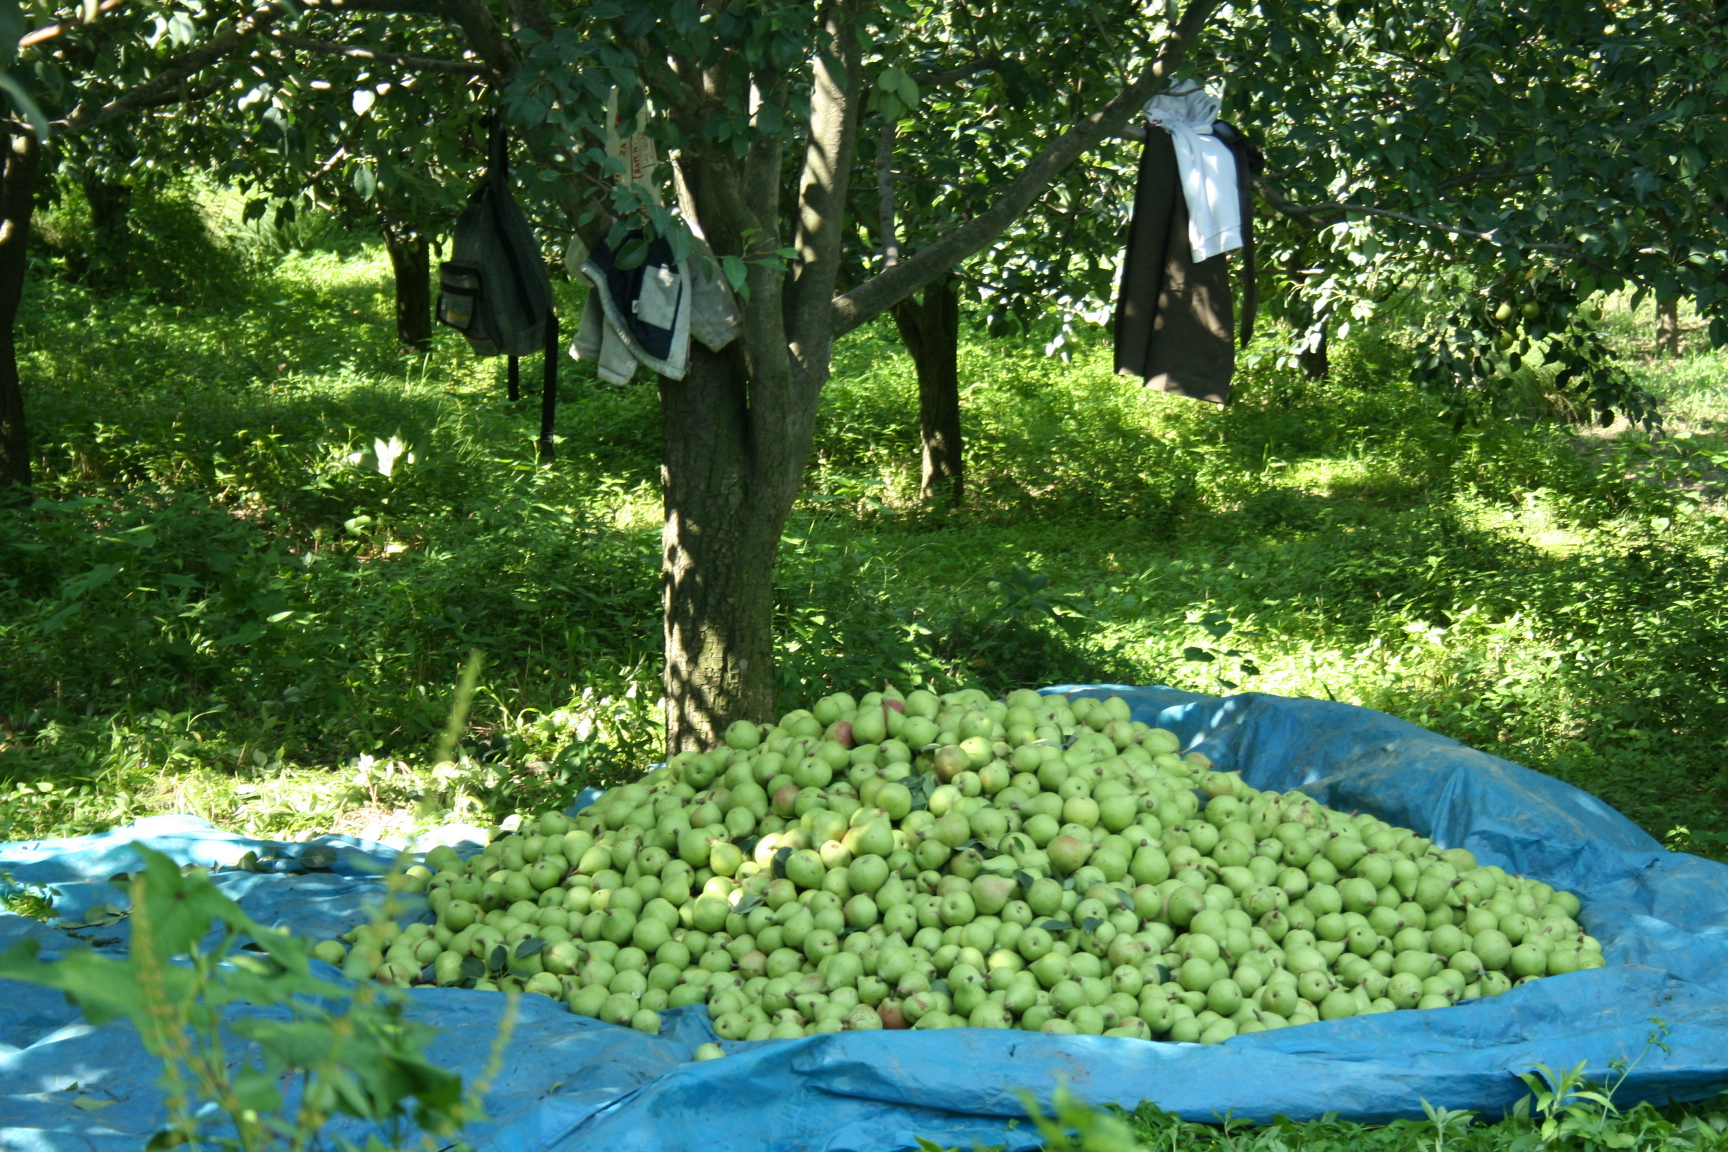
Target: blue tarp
{"x":572,"y":1083}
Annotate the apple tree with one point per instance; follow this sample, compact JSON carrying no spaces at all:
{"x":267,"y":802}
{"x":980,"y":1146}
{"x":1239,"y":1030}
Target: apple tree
{"x":1508,"y":163}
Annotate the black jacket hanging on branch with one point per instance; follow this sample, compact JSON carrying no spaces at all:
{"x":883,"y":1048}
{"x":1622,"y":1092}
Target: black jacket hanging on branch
{"x":1174,"y":314}
{"x":495,"y":289}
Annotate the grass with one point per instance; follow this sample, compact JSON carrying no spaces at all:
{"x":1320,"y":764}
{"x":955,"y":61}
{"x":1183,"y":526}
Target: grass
{"x":264,"y":543}
{"x":1562,"y":1112}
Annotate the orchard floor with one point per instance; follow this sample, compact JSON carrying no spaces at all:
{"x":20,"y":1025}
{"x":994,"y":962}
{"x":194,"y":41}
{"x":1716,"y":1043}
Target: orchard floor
{"x":264,"y":542}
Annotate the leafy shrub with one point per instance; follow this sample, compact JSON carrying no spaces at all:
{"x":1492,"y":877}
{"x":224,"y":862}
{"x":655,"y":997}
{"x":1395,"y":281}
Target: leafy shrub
{"x":347,"y":1051}
{"x":169,"y":252}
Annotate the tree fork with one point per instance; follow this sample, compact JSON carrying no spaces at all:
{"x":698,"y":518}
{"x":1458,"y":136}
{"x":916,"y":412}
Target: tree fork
{"x":23,"y":154}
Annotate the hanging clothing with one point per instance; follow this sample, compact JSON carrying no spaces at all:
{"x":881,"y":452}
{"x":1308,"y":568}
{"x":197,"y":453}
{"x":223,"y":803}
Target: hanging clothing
{"x":1208,"y":170}
{"x":1173,"y":314}
{"x":647,"y":314}
{"x":1249,"y":161}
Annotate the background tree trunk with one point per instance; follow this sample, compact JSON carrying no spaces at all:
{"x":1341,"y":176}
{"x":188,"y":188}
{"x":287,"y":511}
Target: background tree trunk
{"x":1668,"y":327}
{"x":1315,"y":362}
{"x":110,"y":233}
{"x":727,"y":497}
{"x":930,"y":328}
{"x":412,"y":264}
{"x":17,"y":199}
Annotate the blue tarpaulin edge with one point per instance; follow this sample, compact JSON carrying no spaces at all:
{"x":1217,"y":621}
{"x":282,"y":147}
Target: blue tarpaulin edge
{"x":571,"y":1083}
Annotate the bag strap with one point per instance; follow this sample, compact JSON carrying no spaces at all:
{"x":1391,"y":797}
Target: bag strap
{"x":498,"y":148}
{"x":497,"y":174}
{"x":513,"y":378}
{"x":549,"y":389}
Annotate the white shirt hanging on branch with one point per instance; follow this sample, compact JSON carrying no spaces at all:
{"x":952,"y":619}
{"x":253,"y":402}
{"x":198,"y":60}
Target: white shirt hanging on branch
{"x":1206,"y":166}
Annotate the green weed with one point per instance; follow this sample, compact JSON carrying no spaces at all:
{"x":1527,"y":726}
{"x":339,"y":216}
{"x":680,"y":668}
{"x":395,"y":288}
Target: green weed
{"x":264,"y":544}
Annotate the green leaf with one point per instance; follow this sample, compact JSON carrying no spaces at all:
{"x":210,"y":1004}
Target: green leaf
{"x":1199,"y":654}
{"x":632,"y":254}
{"x":103,"y":987}
{"x":181,"y":30}
{"x":736,"y":275}
{"x":256,"y":1089}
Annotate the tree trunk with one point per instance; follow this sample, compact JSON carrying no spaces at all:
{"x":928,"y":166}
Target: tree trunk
{"x":110,"y":233}
{"x":17,"y":199}
{"x":726,"y":500}
{"x":1315,"y":363}
{"x":931,"y":330}
{"x":412,"y":264}
{"x":1668,"y":327}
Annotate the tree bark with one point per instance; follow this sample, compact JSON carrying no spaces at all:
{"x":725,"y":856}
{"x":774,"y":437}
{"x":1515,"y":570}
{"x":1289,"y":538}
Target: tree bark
{"x":412,"y":264}
{"x":931,"y":330}
{"x":1668,"y":327}
{"x":727,"y":494}
{"x":1315,"y":361}
{"x":110,"y":233}
{"x":736,"y":432}
{"x":17,"y":200}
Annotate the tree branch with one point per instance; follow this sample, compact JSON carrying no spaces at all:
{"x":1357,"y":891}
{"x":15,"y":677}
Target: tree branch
{"x":952,"y":75}
{"x":380,"y":7}
{"x":1336,"y":212}
{"x":188,"y":96}
{"x":892,"y":285}
{"x":822,"y":187}
{"x":764,"y":164}
{"x":49,"y":31}
{"x":173,"y":73}
{"x":1489,"y":172}
{"x":885,"y":193}
{"x":1115,"y":57}
{"x":489,"y":42}
{"x":357,"y":52}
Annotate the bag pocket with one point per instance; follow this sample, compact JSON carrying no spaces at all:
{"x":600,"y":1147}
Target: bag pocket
{"x":459,"y":288}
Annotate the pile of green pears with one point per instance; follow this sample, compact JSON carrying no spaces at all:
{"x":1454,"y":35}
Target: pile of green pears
{"x":923,"y":861}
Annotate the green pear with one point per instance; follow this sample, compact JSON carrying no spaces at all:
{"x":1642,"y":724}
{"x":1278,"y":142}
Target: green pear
{"x":1067,"y":853}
